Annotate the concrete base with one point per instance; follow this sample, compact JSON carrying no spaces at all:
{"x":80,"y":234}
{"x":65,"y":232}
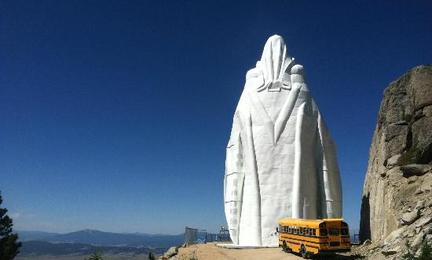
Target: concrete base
{"x":232,"y":246}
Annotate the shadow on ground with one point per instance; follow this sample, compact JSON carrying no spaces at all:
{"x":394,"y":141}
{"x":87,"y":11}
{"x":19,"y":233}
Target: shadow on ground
{"x":339,"y":257}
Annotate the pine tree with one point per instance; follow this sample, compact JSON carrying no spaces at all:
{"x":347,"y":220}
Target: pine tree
{"x":9,"y":245}
{"x":95,"y":256}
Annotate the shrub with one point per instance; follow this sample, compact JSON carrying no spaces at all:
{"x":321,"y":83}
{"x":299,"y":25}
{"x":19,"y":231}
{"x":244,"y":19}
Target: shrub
{"x":9,"y":245}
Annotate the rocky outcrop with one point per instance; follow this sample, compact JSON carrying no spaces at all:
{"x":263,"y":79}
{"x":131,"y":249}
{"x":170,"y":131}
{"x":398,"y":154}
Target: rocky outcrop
{"x":170,"y":254}
{"x":397,"y":200}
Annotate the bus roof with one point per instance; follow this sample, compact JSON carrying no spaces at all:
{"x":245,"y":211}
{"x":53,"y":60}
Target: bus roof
{"x":307,"y":222}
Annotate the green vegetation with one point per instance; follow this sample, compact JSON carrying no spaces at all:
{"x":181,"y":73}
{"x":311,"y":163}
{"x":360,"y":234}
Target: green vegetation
{"x":9,"y":245}
{"x":95,"y":256}
{"x":426,"y":253}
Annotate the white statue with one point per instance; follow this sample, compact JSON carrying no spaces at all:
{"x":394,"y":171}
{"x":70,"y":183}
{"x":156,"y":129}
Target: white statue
{"x":280,"y":159}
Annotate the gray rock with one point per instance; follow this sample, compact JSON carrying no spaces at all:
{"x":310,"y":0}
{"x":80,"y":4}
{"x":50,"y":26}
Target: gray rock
{"x":172,"y":251}
{"x":420,"y":204}
{"x":410,"y":217}
{"x":421,"y":129}
{"x":426,"y":186}
{"x":399,"y":173}
{"x":428,"y":228}
{"x":427,"y":111}
{"x":418,"y":240}
{"x":419,"y":191}
{"x":394,"y":236}
{"x":423,"y":91}
{"x":390,"y":251}
{"x":392,"y":161}
{"x":367,"y":242}
{"x":412,"y":179}
{"x":423,"y":221}
{"x":415,"y":169}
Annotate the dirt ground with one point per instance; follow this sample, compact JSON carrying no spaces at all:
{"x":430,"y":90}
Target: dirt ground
{"x":83,"y":257}
{"x":213,"y":252}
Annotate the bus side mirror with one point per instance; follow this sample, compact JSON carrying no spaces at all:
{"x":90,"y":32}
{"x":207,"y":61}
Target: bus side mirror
{"x":277,"y":230}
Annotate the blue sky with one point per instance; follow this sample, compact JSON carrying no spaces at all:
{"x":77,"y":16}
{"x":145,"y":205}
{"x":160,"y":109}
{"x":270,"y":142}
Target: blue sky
{"x":115,"y":114}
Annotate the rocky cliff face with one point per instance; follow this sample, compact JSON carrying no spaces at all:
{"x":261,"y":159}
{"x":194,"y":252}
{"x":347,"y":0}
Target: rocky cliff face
{"x":397,"y":197}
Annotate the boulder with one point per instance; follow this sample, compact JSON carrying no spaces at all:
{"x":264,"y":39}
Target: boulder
{"x":410,"y":217}
{"x":390,"y":250}
{"x":172,"y":251}
{"x":415,"y":169}
{"x":392,"y":161}
{"x":394,"y":236}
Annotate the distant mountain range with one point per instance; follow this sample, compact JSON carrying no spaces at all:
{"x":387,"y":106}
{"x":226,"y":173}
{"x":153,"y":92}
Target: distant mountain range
{"x":100,"y":238}
{"x":87,"y":241}
{"x":38,"y":248}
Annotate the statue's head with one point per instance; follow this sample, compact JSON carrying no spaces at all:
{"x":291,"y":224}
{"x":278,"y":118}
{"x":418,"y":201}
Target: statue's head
{"x":273,"y":58}
{"x":274,"y":62}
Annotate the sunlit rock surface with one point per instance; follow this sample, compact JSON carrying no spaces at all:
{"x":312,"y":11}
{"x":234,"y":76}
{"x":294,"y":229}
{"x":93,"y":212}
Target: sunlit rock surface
{"x":396,"y":210}
{"x":280,"y":158}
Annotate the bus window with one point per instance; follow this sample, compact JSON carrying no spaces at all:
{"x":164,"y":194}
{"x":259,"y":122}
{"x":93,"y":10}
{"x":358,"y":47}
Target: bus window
{"x":323,"y":232}
{"x":344,"y":232}
{"x":334,"y":232}
{"x":313,"y":232}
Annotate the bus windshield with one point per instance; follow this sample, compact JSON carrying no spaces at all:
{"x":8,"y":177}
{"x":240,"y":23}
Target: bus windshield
{"x":333,"y":232}
{"x":323,"y":232}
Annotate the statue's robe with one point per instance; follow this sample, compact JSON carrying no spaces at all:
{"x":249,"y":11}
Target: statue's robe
{"x":280,"y":159}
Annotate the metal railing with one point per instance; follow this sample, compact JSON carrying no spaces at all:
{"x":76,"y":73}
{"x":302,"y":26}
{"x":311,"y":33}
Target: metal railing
{"x":201,"y":236}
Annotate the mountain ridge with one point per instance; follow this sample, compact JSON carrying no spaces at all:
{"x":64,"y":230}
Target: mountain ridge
{"x":103,"y":238}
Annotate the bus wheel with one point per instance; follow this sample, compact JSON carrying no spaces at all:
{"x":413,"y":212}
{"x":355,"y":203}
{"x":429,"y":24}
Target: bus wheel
{"x":305,"y":254}
{"x":285,"y":248}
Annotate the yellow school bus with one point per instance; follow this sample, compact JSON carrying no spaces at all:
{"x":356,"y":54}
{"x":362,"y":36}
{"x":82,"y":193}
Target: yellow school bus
{"x":309,"y":237}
